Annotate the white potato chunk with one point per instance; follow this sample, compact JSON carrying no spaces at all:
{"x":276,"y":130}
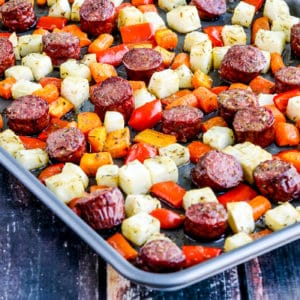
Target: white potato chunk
{"x":61,"y":8}
{"x":202,"y":195}
{"x":10,"y":142}
{"x":161,"y":168}
{"x":130,"y":15}
{"x":243,"y":14}
{"x":272,"y":41}
{"x":293,"y":108}
{"x":23,"y":88}
{"x":117,"y":2}
{"x":142,"y":96}
{"x":193,"y":38}
{"x":201,"y":56}
{"x":72,"y":67}
{"x":273,"y":9}
{"x":249,"y":156}
{"x":134,"y":178}
{"x":218,"y":54}
{"x":185,"y":76}
{"x":237,"y":240}
{"x":30,"y":43}
{"x":184,"y":19}
{"x":140,"y":227}
{"x":89,"y":58}
{"x":234,"y":35}
{"x":218,"y":137}
{"x":19,"y":72}
{"x":13,"y":38}
{"x":75,"y":89}
{"x":108,"y":175}
{"x":281,"y":216}
{"x":155,"y":19}
{"x":164,"y":83}
{"x":113,"y":120}
{"x":284,"y":23}
{"x":266,"y":99}
{"x":135,"y":204}
{"x":50,"y":2}
{"x":179,"y":153}
{"x":267,"y":56}
{"x":32,"y":159}
{"x":240,"y":217}
{"x":75,"y":10}
{"x":170,"y":4}
{"x":75,"y":171}
{"x":39,"y":64}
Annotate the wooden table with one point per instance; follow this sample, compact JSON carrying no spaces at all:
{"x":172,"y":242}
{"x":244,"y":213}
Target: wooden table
{"x":40,"y":258}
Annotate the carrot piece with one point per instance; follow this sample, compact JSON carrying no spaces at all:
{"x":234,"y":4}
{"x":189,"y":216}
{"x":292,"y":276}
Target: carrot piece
{"x":166,"y":101}
{"x":257,"y":3}
{"x":292,"y":156}
{"x":141,"y":2}
{"x":50,"y":171}
{"x":40,"y":31}
{"x":170,"y":192}
{"x":286,"y":134}
{"x":51,"y":80}
{"x":197,"y":149}
{"x":102,"y":71}
{"x":147,"y":8}
{"x":238,"y":85}
{"x":83,"y":37}
{"x":90,"y":162}
{"x":49,"y":93}
{"x":207,"y":100}
{"x":137,"y":33}
{"x":103,"y":41}
{"x":2,"y":2}
{"x":259,"y":205}
{"x":181,"y":59}
{"x":186,"y":100}
{"x":41,"y":2}
{"x":260,"y":234}
{"x":261,"y":85}
{"x":276,"y":62}
{"x":155,"y":138}
{"x":259,"y":23}
{"x":5,"y":87}
{"x":32,"y":143}
{"x":1,"y":122}
{"x":219,"y":89}
{"x":167,"y":56}
{"x":166,"y":38}
{"x":95,"y":187}
{"x":137,"y":84}
{"x":60,"y":107}
{"x":118,"y":242}
{"x":214,"y":121}
{"x":278,"y":115}
{"x":201,"y":79}
{"x":96,"y":138}
{"x":87,"y":121}
{"x":146,"y":44}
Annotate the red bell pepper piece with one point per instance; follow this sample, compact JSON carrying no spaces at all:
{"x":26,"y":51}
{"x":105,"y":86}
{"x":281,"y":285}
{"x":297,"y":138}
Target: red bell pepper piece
{"x":146,"y":116}
{"x":113,"y":55}
{"x":242,"y":192}
{"x":170,"y":192}
{"x":215,"y":35}
{"x":257,"y":3}
{"x":50,"y":171}
{"x":292,"y":156}
{"x":140,"y":151}
{"x":51,"y":80}
{"x":168,"y":219}
{"x":51,"y":22}
{"x":5,"y":34}
{"x":137,"y":33}
{"x":141,"y":2}
{"x":195,"y":254}
{"x":281,"y":100}
{"x":32,"y":143}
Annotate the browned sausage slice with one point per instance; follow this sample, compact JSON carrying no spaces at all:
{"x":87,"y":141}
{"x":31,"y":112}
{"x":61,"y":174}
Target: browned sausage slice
{"x":287,"y":78}
{"x":295,"y":39}
{"x":7,"y":56}
{"x":210,"y":9}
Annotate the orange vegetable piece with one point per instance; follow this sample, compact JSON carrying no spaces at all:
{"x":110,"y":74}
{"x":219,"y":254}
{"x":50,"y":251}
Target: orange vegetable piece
{"x":278,"y":115}
{"x":5,"y":87}
{"x":276,"y":62}
{"x":60,"y":107}
{"x":292,"y":156}
{"x":214,"y":121}
{"x":154,"y":138}
{"x":197,"y":149}
{"x":261,"y":85}
{"x":238,"y":85}
{"x":207,"y":100}
{"x":32,"y":143}
{"x":181,"y":59}
{"x":166,"y":101}
{"x":51,"y":80}
{"x":167,"y":56}
{"x":201,"y":79}
{"x":50,"y":171}
{"x":49,"y":93}
{"x":86,"y":121}
{"x":141,"y":2}
{"x":102,"y":71}
{"x":166,"y":38}
{"x":83,"y":37}
{"x":147,"y":8}
{"x":137,"y":84}
{"x":219,"y":89}
{"x":94,"y":187}
{"x":90,"y":162}
{"x":1,"y":122}
{"x":187,"y":100}
{"x":137,"y":33}
{"x":146,"y":44}
{"x":260,"y":234}
{"x":40,"y":31}
{"x":102,"y":42}
{"x":96,"y":138}
{"x":260,"y":205}
{"x":286,"y":134}
{"x":259,"y":23}
{"x":257,"y":3}
{"x":118,"y":242}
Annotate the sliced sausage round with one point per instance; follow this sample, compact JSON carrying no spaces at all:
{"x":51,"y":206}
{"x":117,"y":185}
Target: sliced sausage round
{"x":230,"y":101}
{"x":218,"y":170}
{"x":60,"y":46}
{"x":141,"y":63}
{"x":97,"y":17}
{"x":66,"y":144}
{"x":161,"y":256}
{"x":206,"y":220}
{"x":277,"y":180}
{"x":113,"y":94}
{"x":287,"y":78}
{"x":28,"y":115}
{"x":18,"y":15}
{"x":295,"y":39}
{"x":210,"y":10}
{"x":102,"y":209}
{"x":255,"y":125}
{"x":182,"y":121}
{"x":7,"y":56}
{"x":242,"y":63}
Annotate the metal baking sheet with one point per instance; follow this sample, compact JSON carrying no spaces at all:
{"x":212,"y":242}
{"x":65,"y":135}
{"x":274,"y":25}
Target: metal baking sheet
{"x":170,"y":281}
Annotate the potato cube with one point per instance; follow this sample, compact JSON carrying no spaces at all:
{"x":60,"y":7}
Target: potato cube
{"x":185,"y":76}
{"x":130,"y":15}
{"x":74,"y":170}
{"x":170,"y":4}
{"x":61,"y":8}
{"x":10,"y":142}
{"x":32,"y":159}
{"x":13,"y":38}
{"x":218,"y":54}
{"x":24,"y":87}
{"x":201,"y":56}
{"x":19,"y":72}
{"x":237,"y":240}
{"x":135,"y":204}
{"x":72,"y":67}
{"x":234,"y":35}
{"x":272,"y":41}
{"x":155,"y":19}
{"x":30,"y":43}
{"x":141,"y":97}
{"x":108,"y":175}
{"x":267,"y":56}
{"x":218,"y":137}
{"x":202,"y":195}
{"x":139,"y":228}
{"x":113,"y":120}
{"x":284,"y":23}
{"x":193,"y":38}
{"x":273,"y":9}
{"x":243,"y":14}
{"x":293,"y":108}
{"x":75,"y":10}
{"x":265,"y":99}
{"x":177,"y":152}
{"x":89,"y":58}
